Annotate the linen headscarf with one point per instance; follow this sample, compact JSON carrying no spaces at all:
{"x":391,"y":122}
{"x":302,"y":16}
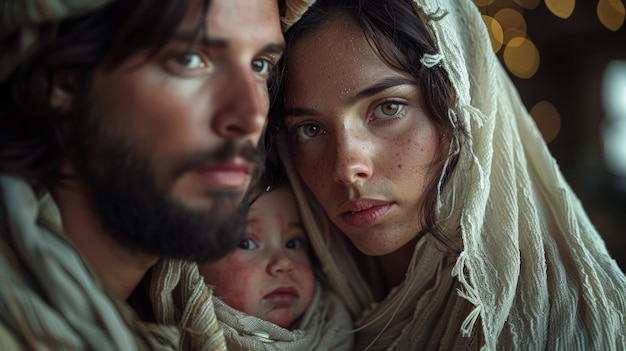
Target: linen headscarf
{"x":533,"y":273}
{"x":326,"y":325}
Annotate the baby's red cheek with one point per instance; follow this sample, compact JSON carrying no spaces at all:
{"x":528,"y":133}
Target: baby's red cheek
{"x":239,"y":280}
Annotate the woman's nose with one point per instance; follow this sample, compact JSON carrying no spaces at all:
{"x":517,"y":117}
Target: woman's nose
{"x":352,"y":158}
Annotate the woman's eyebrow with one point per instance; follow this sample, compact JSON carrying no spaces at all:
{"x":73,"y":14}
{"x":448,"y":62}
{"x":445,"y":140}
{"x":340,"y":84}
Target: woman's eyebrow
{"x":377,"y":87}
{"x":300,"y":112}
{"x":381,"y":85}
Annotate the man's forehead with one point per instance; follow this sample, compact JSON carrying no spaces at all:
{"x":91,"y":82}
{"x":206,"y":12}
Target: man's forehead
{"x":225,"y":19}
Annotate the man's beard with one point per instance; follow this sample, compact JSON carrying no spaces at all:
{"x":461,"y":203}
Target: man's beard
{"x":141,"y":215}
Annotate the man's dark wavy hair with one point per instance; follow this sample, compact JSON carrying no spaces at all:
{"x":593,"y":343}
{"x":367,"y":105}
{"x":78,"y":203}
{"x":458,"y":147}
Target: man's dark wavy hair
{"x":34,"y":137}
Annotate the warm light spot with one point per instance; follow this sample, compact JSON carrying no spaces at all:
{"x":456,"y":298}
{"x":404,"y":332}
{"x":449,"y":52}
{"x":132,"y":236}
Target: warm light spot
{"x":495,"y":32}
{"x":548,"y":120}
{"x":528,"y":4}
{"x":561,"y":8}
{"x":501,"y":4}
{"x":611,"y":14}
{"x":512,"y":33}
{"x":521,"y":57}
{"x":510,"y":18}
{"x":512,"y":22}
{"x":483,"y":2}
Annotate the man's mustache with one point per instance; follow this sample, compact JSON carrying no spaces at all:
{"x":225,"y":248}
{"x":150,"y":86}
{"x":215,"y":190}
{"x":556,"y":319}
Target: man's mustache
{"x":225,"y":153}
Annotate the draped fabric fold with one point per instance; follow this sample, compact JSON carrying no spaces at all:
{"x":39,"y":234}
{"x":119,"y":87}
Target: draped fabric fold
{"x":180,"y":297}
{"x":50,"y":298}
{"x":326,"y":325}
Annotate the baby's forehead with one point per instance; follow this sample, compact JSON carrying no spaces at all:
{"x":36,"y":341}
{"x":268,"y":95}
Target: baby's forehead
{"x":279,"y":197}
{"x":275,"y":209}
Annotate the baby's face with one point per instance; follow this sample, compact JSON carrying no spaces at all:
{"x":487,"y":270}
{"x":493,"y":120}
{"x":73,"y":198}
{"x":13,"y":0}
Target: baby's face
{"x":269,"y":275}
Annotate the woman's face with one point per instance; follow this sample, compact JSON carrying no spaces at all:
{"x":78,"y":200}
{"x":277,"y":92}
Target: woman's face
{"x":361,"y":136}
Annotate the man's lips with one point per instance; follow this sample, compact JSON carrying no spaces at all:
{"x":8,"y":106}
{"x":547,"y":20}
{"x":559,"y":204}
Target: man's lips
{"x":230,"y":175}
{"x":363,"y":213}
{"x":282,"y":296}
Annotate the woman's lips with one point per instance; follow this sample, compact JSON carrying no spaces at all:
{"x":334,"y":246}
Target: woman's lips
{"x":282,"y":296}
{"x":364,"y":213}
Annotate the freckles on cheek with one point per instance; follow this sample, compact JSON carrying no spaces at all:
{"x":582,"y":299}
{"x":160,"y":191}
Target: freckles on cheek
{"x":316,"y":174}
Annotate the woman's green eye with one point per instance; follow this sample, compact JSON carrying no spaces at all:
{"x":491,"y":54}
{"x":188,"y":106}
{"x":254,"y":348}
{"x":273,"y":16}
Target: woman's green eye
{"x":388,"y":110}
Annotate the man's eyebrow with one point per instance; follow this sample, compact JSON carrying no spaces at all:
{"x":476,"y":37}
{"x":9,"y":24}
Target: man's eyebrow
{"x":371,"y":90}
{"x":194,"y":37}
{"x":274,"y":48}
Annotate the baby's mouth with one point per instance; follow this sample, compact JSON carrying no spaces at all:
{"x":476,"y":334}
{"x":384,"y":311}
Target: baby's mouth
{"x":282,"y":296}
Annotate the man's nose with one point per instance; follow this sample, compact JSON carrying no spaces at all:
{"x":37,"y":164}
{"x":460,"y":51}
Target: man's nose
{"x":243,"y":106}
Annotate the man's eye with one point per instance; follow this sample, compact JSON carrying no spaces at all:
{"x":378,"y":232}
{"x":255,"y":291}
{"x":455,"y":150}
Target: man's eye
{"x":187,"y":62}
{"x":247,"y":244}
{"x":262,"y":66}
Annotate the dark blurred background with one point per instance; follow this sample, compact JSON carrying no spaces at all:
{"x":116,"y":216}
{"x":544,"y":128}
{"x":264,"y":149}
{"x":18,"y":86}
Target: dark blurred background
{"x":568,"y":60}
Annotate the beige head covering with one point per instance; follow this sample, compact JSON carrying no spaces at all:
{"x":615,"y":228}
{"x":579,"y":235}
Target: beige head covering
{"x":25,"y":24}
{"x":294,"y":9}
{"x":533,"y":270}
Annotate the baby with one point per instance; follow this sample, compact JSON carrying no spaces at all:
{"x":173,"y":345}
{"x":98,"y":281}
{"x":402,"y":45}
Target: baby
{"x":265,"y":291}
{"x":269,"y":275}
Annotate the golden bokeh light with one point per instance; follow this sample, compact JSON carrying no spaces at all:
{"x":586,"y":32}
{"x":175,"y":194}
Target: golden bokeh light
{"x":528,"y":4}
{"x":561,"y":8}
{"x":548,"y":120}
{"x":495,"y":32}
{"x":512,"y":22}
{"x":611,"y":14}
{"x":521,"y":57}
{"x":507,"y":28}
{"x":509,"y":18}
{"x":511,"y":33}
